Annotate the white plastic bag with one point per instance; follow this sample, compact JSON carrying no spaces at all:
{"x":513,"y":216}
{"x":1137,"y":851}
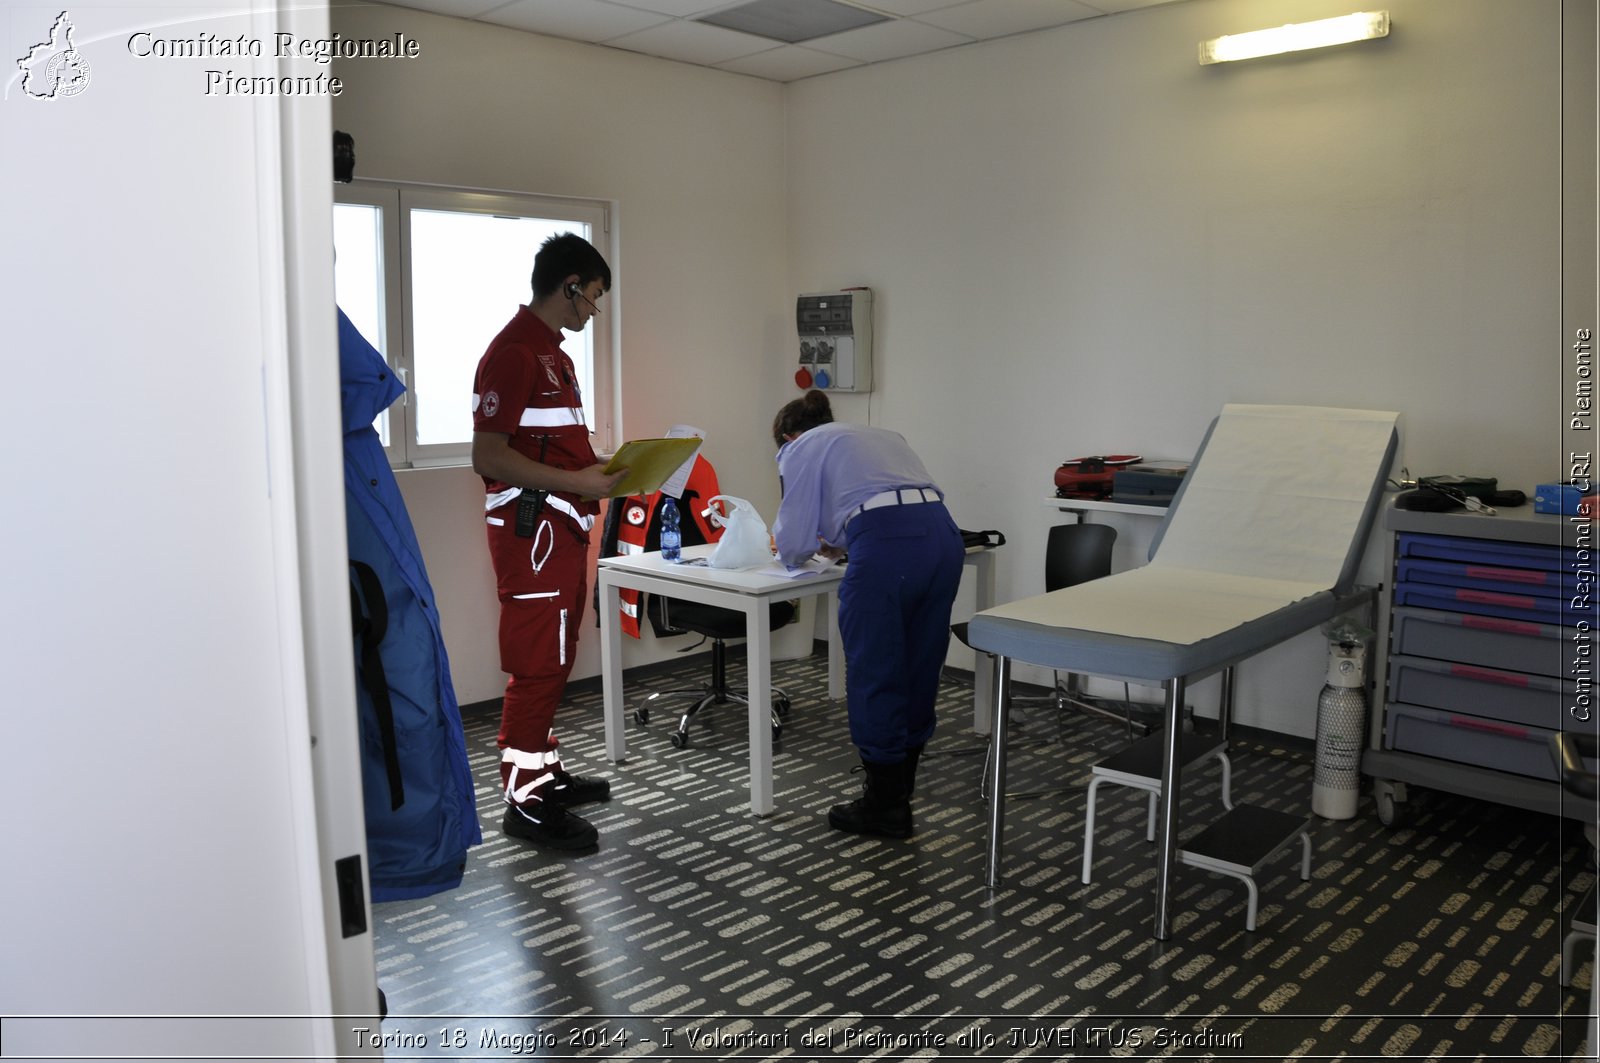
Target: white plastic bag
{"x":745,"y":542}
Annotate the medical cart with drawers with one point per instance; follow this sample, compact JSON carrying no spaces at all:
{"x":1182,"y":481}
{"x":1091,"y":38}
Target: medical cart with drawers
{"x":1489,"y":653}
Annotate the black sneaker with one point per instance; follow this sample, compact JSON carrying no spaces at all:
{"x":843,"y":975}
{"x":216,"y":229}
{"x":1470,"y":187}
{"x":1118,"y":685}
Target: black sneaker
{"x":550,"y":827}
{"x":568,"y":790}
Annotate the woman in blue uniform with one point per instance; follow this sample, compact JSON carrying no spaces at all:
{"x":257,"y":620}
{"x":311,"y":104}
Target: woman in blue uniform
{"x":863,"y":491}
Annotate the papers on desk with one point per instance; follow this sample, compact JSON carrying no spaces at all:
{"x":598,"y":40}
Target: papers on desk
{"x":816,"y":565}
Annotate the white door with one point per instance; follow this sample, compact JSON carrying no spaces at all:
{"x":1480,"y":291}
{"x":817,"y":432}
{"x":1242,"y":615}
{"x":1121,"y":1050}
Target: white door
{"x":178,"y":773}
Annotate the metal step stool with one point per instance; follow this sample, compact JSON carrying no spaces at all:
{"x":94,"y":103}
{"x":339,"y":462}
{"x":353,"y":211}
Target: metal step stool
{"x":1242,"y":840}
{"x":1139,"y":766}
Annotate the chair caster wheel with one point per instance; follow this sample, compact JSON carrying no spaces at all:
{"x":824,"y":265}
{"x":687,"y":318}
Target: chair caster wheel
{"x":641,"y":715}
{"x":777,"y":731}
{"x":679,"y":740}
{"x":781,"y":706}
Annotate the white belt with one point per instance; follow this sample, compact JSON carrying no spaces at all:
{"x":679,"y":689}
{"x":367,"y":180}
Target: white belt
{"x":905,"y":496}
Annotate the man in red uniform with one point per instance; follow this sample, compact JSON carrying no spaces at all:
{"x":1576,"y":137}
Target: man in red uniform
{"x":531,"y":446}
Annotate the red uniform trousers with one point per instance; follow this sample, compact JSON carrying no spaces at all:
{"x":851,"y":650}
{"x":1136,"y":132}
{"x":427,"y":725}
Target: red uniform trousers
{"x":542,"y":584}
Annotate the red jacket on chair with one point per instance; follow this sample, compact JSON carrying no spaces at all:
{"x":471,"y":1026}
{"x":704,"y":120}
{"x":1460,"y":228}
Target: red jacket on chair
{"x":633,"y":526}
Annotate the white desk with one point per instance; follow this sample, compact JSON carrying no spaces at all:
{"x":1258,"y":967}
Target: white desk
{"x":751,"y":593}
{"x":747,"y":591}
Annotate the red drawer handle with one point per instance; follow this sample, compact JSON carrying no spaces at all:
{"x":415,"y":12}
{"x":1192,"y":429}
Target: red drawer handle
{"x":1509,"y":575}
{"x":1514,"y":627}
{"x":1472,"y":723}
{"x":1509,"y":679}
{"x":1486,"y":598}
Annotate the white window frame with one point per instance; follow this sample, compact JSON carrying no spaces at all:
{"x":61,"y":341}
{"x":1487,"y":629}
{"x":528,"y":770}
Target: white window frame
{"x":395,"y":202}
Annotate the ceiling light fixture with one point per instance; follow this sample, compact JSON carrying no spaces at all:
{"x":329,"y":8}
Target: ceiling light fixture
{"x":1296,"y":37}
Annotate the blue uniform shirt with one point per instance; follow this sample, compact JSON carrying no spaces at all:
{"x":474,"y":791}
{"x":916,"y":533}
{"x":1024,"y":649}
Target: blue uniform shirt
{"x":827,"y":473}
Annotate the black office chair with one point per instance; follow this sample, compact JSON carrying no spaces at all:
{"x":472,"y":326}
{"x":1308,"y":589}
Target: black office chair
{"x":1074,"y":554}
{"x":672,"y":616}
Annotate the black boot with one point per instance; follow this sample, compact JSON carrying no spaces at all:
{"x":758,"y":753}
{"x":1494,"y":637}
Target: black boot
{"x":549,"y":826}
{"x":884,"y":807}
{"x":912,"y":756}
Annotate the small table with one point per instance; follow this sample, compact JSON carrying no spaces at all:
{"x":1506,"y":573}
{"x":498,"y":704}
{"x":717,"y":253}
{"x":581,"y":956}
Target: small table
{"x":748,"y":590}
{"x":752,"y":592}
{"x":1082,"y":507}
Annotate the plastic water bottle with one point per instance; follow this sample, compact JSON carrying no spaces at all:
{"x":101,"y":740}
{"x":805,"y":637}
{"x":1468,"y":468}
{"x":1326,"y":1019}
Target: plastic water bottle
{"x":671,"y":536}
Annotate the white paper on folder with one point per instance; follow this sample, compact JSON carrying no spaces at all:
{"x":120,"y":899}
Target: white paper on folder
{"x":680,"y":479}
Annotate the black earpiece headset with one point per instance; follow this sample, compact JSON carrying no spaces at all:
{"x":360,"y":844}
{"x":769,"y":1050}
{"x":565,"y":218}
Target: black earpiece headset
{"x":573,"y":294}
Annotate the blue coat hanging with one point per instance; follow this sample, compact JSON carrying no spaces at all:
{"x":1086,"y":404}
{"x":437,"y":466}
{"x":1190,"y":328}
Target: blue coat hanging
{"x":420,"y":811}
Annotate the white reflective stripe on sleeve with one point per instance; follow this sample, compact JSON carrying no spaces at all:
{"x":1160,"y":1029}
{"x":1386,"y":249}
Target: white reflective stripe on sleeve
{"x":496,"y":521}
{"x":541,"y":594}
{"x":563,"y":636}
{"x":630,"y":609}
{"x":629,"y":548}
{"x":551,"y":417}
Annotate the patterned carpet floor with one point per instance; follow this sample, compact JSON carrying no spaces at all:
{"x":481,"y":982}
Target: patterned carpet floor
{"x":699,"y":931}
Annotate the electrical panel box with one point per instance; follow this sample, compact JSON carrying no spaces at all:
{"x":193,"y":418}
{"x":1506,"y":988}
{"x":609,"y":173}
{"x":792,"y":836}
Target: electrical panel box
{"x":835,"y":330}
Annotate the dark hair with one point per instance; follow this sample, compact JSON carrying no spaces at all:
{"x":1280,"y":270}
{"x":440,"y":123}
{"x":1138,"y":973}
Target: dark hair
{"x":563,"y":255}
{"x":802,"y":415}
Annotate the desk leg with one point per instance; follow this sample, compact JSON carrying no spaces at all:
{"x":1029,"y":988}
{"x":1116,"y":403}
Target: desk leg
{"x":835,"y":647}
{"x":758,"y":648}
{"x":982,"y":677}
{"x":999,"y":719}
{"x":613,"y":705}
{"x":1167,"y":837}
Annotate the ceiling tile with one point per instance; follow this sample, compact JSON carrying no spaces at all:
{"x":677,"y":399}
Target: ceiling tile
{"x":789,"y":62}
{"x":908,"y":8}
{"x":792,"y":21}
{"x":691,"y":42}
{"x":594,"y":20}
{"x":675,"y":8}
{"x":888,"y":40}
{"x":664,"y":28}
{"x":1113,"y":7}
{"x":1001,"y":18}
{"x":458,"y":8}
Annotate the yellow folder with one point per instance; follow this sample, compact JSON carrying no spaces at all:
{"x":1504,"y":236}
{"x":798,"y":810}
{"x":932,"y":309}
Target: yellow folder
{"x":649,"y":462}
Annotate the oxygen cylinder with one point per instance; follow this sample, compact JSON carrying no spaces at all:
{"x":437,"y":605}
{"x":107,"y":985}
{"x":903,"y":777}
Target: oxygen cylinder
{"x":1341,"y":732}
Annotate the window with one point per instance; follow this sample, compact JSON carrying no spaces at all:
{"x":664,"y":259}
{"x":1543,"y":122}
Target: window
{"x":430,"y":275}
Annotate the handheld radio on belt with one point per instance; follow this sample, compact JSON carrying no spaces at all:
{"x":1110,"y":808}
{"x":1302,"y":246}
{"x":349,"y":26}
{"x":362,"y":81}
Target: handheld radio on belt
{"x":530,"y":503}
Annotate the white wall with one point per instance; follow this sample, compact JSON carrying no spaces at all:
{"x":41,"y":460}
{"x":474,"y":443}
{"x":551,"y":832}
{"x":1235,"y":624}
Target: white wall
{"x":1080,"y":242}
{"x":1083,"y":242}
{"x":163,"y":856}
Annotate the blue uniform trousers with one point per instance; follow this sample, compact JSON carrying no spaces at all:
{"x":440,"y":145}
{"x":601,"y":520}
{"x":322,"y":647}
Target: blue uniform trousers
{"x":894,"y":618}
